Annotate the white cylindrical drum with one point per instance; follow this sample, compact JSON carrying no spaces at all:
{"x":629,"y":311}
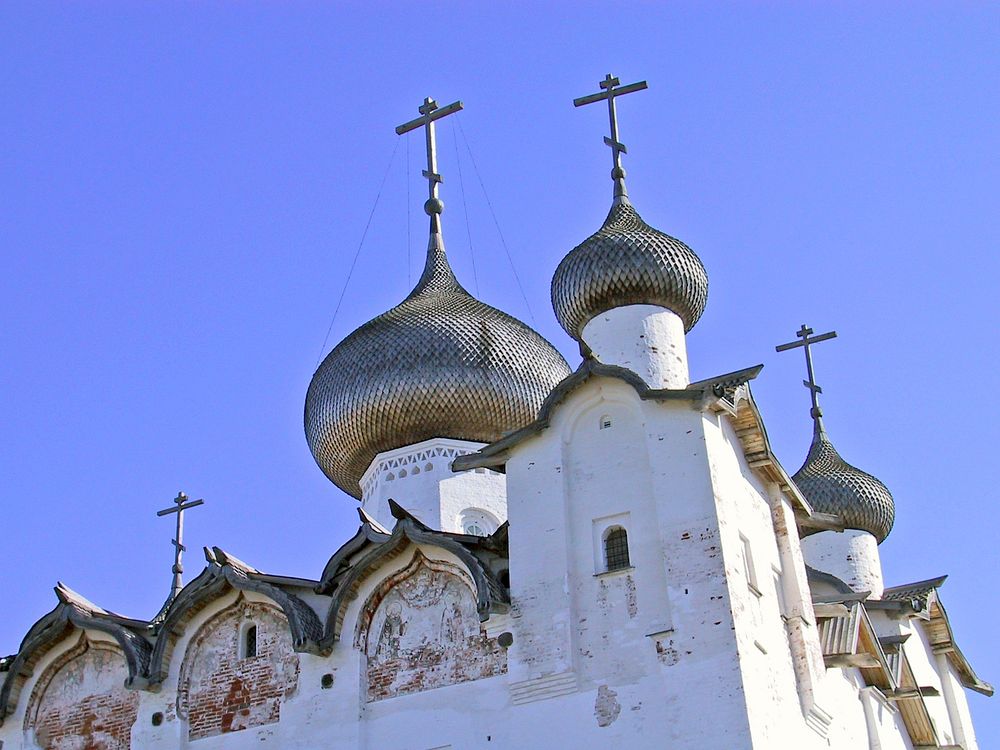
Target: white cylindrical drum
{"x":647,"y":339}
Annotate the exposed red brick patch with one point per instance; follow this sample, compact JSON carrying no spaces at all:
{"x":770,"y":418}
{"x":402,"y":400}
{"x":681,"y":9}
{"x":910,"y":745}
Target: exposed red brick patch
{"x":81,"y":702}
{"x":220,"y":692}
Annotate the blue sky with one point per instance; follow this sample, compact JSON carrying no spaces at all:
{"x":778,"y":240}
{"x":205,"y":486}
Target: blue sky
{"x":185,"y":186}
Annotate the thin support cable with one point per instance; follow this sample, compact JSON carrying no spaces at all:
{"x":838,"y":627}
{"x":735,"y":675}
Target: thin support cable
{"x":357,"y":253}
{"x":489,"y":203}
{"x":465,"y":209}
{"x":408,"y":217}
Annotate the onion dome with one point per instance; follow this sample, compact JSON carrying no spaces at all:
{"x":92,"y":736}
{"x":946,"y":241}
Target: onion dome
{"x":628,"y":262}
{"x":439,"y":364}
{"x":831,"y":485}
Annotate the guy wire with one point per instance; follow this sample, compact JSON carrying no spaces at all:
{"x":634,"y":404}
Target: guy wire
{"x":489,"y":203}
{"x":357,"y":253}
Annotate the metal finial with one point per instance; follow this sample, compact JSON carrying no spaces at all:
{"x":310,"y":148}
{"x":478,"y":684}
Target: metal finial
{"x":181,"y":505}
{"x":429,"y":112}
{"x":612,"y":90}
{"x":807,"y":340}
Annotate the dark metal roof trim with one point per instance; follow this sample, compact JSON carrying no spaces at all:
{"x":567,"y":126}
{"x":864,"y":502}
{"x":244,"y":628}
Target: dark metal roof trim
{"x":339,"y":562}
{"x":493,"y":456}
{"x":224,"y":573}
{"x":819,"y":576}
{"x":491,"y":596}
{"x":920,"y":589}
{"x":73,"y":612}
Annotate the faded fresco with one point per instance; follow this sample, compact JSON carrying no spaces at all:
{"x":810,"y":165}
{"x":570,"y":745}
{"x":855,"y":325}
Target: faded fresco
{"x":424,"y":632}
{"x":220,"y":691}
{"x":81,"y":701}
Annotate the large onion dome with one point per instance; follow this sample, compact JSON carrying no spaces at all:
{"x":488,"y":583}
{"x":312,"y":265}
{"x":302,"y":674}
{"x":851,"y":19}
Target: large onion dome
{"x":439,"y":364}
{"x":628,"y":262}
{"x":831,"y":485}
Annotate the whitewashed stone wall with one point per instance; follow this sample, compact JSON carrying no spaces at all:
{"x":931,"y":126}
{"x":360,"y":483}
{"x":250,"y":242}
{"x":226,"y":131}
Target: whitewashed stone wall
{"x":681,"y":649}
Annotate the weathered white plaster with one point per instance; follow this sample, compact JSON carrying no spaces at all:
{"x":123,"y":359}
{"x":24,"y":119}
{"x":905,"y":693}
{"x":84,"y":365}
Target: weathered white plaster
{"x":419,"y":478}
{"x":851,"y":555}
{"x":681,"y":649}
{"x":647,"y":339}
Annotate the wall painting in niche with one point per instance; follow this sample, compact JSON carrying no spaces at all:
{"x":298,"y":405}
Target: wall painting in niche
{"x":81,"y":702}
{"x":420,"y":630}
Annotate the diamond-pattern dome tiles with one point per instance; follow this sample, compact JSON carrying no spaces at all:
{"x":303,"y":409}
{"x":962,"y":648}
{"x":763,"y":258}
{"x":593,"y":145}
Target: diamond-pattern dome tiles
{"x":831,"y":485}
{"x":439,"y":364}
{"x":628,"y":262}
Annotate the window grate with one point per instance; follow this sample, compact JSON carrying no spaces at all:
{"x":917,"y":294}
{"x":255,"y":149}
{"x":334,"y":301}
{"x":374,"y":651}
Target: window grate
{"x":616,"y":549}
{"x":250,"y":642}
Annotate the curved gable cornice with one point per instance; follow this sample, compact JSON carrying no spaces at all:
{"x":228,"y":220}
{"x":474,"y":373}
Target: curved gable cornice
{"x":368,"y":533}
{"x":223,"y":574}
{"x":71,"y":613}
{"x":490,"y":595}
{"x":494,"y":455}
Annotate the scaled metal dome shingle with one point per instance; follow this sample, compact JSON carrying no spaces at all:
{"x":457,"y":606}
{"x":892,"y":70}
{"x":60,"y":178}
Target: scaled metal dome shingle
{"x":831,"y":485}
{"x":439,"y":364}
{"x":628,"y":262}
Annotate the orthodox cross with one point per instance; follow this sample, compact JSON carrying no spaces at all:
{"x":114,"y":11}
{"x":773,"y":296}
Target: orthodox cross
{"x":807,"y":340}
{"x":429,"y":112}
{"x":182,"y":504}
{"x":612,"y":90}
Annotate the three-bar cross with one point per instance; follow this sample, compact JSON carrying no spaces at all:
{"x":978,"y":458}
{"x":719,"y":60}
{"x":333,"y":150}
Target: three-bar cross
{"x":612,"y":90}
{"x":807,"y":340}
{"x":429,"y":113}
{"x":182,"y":504}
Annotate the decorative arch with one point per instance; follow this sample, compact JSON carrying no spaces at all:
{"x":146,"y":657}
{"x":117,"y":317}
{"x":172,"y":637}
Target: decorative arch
{"x":73,"y":612}
{"x":222,"y":689}
{"x":419,"y":630}
{"x":490,"y":595}
{"x":588,"y":413}
{"x":85,"y":680}
{"x":223,"y":574}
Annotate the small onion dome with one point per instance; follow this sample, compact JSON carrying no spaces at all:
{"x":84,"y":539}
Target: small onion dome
{"x":627,"y":262}
{"x":439,"y":364}
{"x":831,"y":485}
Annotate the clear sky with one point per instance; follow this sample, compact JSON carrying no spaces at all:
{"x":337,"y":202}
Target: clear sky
{"x":185,"y":186}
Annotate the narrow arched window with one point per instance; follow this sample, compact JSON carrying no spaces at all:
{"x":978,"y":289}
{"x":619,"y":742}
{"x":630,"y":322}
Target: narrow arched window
{"x":616,"y":549}
{"x":250,"y":642}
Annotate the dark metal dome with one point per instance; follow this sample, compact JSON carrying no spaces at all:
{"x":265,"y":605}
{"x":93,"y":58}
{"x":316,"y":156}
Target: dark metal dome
{"x":627,"y":262}
{"x":439,"y":364}
{"x":831,"y":485}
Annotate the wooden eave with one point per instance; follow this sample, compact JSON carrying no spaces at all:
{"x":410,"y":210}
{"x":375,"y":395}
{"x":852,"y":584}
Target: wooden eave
{"x":728,"y":393}
{"x":749,"y":427}
{"x":942,"y":640}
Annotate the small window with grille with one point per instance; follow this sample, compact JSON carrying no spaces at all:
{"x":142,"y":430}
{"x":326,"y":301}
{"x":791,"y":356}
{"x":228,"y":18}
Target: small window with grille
{"x":477,"y":522}
{"x":616,"y":549}
{"x":250,"y":642}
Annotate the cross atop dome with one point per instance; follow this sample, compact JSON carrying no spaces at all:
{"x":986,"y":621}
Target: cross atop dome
{"x":429,"y":113}
{"x":612,"y":89}
{"x":805,"y":334}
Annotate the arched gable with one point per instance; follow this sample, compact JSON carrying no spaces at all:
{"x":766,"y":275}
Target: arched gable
{"x":419,"y":629}
{"x":81,"y":700}
{"x":225,"y":573}
{"x":74,"y":613}
{"x":224,"y":687}
{"x":490,"y":595}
